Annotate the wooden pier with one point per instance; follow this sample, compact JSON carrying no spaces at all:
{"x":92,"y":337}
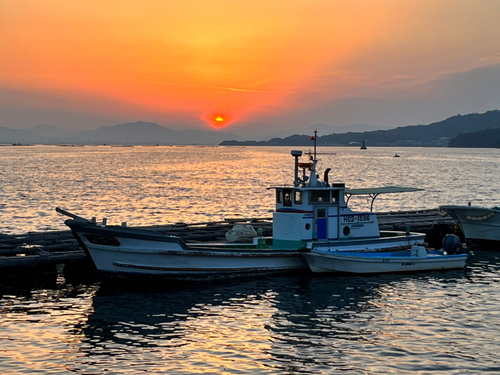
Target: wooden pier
{"x":39,"y":250}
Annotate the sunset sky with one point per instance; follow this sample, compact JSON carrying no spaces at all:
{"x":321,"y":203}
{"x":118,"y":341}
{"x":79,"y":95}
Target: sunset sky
{"x":248,"y":67}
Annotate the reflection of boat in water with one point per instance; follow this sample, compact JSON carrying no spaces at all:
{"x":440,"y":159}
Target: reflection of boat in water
{"x":129,"y":319}
{"x":477,"y":223}
{"x":309,"y":213}
{"x":270,"y":323}
{"x":172,"y":317}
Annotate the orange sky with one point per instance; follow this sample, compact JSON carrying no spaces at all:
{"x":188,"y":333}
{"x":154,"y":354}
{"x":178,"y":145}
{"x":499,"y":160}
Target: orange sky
{"x":238,"y":61}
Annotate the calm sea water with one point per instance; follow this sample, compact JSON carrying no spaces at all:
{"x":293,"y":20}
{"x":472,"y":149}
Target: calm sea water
{"x":160,"y":185}
{"x":427,"y":323}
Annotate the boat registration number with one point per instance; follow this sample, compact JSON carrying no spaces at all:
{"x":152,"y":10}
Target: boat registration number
{"x":363,"y":218}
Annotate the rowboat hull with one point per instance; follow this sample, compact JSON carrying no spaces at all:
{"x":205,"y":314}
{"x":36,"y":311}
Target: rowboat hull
{"x":375,"y":262}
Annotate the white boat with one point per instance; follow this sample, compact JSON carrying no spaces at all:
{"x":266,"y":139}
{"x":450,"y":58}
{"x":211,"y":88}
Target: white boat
{"x":308,"y":212}
{"x":415,"y":259}
{"x":119,"y":252}
{"x":477,"y":223}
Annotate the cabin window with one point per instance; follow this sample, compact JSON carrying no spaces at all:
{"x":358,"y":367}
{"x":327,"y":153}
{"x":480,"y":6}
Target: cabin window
{"x":321,"y":213}
{"x":287,"y":197}
{"x":318,"y":196}
{"x":335,"y":196}
{"x":297,"y":197}
{"x":279,"y":196}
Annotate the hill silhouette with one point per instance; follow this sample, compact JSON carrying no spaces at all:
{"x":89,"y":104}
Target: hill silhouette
{"x":483,"y":138}
{"x":472,"y":130}
{"x":134,"y":133}
{"x":435,"y":134}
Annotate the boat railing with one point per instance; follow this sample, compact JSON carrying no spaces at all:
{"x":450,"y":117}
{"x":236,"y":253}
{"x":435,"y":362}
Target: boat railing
{"x":73,"y":216}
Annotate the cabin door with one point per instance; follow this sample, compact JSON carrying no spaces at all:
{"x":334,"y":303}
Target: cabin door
{"x":321,"y":223}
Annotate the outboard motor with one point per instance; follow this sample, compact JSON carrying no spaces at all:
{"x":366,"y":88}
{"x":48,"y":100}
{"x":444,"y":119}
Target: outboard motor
{"x":452,"y":244}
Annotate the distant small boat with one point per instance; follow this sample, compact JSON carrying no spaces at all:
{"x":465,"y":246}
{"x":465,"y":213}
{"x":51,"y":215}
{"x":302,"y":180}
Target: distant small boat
{"x":396,"y":155}
{"x":477,"y":223}
{"x":363,"y":146}
{"x":414,"y":259}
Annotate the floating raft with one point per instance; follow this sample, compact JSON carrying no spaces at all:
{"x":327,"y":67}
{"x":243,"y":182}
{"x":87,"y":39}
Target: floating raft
{"x":60,"y":247}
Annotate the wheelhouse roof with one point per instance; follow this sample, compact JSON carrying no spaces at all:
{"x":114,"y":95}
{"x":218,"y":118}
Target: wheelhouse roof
{"x":334,"y":186}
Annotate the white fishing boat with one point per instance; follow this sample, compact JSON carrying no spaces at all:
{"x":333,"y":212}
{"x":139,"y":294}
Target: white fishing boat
{"x":477,"y":223}
{"x":308,"y":213}
{"x":416,"y":258}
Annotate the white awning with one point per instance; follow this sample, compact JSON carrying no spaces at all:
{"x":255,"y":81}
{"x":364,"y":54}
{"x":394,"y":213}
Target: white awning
{"x":376,"y":191}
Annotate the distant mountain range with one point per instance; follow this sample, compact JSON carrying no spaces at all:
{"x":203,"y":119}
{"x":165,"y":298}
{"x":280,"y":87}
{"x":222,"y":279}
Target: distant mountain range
{"x":147,"y":133}
{"x":136,"y":133}
{"x":435,"y":134}
{"x":329,"y":129}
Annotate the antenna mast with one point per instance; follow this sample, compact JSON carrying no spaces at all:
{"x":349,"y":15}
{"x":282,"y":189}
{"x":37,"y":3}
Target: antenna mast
{"x":315,"y":136}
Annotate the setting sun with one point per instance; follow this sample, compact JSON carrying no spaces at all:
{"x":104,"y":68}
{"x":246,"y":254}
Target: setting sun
{"x":218,"y":120}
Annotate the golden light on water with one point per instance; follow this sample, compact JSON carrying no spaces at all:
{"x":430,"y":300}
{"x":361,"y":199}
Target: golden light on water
{"x":217,"y":334}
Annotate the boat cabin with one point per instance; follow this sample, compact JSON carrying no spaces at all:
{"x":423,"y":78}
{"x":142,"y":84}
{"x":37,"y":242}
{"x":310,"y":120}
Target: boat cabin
{"x":314,"y":210}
